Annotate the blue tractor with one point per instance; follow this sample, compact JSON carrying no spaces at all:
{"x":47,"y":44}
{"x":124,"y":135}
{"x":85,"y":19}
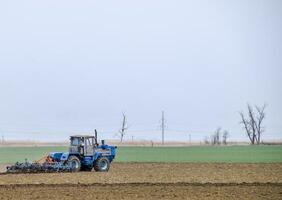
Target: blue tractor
{"x":84,"y":154}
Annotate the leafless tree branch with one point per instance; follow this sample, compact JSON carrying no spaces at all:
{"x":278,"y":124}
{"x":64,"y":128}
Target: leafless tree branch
{"x":253,"y":123}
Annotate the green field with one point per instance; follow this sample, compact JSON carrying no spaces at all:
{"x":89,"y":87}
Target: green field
{"x":227,"y":154}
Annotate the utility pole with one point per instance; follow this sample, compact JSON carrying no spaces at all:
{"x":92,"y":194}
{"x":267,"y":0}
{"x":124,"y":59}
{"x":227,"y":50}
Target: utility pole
{"x":123,"y":127}
{"x":163,"y":127}
{"x":3,"y":140}
{"x":189,"y":138}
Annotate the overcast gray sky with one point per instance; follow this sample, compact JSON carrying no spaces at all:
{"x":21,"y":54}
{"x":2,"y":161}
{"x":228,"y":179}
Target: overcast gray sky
{"x":71,"y":66}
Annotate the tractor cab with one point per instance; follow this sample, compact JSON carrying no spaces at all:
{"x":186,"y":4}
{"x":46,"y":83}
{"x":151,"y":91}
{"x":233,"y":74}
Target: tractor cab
{"x":83,"y":145}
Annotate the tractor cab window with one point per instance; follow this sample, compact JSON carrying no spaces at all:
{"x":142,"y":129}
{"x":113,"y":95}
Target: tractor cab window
{"x":89,"y":142}
{"x":75,"y":142}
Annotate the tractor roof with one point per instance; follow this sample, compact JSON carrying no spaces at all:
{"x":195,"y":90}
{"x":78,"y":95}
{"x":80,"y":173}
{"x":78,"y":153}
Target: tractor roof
{"x":80,"y":136}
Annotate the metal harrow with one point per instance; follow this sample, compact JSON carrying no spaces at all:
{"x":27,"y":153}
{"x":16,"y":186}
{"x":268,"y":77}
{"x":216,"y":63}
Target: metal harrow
{"x":47,"y":166}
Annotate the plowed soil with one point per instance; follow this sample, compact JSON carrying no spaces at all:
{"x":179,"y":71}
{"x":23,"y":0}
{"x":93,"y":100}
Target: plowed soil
{"x":151,"y":181}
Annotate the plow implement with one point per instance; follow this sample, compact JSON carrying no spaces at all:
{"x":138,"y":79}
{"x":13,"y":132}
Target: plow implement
{"x":47,"y":166}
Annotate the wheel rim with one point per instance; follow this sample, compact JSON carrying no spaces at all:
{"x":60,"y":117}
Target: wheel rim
{"x":74,"y":164}
{"x":103,"y":165}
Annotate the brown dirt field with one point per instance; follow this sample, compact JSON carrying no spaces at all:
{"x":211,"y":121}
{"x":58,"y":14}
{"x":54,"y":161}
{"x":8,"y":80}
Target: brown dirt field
{"x":159,"y":173}
{"x":142,"y":191}
{"x":151,"y":181}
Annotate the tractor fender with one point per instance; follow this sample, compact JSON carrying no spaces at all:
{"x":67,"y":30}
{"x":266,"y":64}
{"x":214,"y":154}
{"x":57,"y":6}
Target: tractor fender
{"x":96,"y":156}
{"x":55,"y":156}
{"x":65,"y":156}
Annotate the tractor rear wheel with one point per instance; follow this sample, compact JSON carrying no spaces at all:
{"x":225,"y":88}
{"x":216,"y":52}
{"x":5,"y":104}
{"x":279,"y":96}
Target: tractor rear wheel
{"x":102,"y":164}
{"x":75,"y":163}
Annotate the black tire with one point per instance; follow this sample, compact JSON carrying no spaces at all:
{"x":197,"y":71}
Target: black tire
{"x":75,"y":163}
{"x":102,"y":164}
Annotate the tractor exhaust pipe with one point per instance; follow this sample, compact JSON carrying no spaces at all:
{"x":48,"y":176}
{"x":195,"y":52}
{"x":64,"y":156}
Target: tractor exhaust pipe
{"x":96,"y":138}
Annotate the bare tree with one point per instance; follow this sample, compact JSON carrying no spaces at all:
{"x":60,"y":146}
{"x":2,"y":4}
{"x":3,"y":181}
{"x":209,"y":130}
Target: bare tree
{"x":217,"y":135}
{"x":206,"y":140}
{"x":259,"y":119}
{"x":252,"y":123}
{"x":124,"y":127}
{"x":247,"y":127}
{"x":225,"y":135}
{"x":215,"y":138}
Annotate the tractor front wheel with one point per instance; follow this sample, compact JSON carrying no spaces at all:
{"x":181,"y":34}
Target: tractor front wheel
{"x":75,"y":163}
{"x":102,"y":164}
